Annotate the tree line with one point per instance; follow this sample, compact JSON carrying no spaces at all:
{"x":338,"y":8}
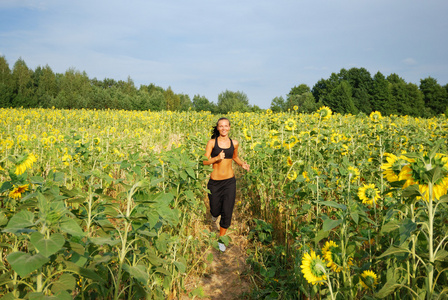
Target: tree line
{"x":356,"y":91}
{"x":24,"y":87}
{"x":349,"y":91}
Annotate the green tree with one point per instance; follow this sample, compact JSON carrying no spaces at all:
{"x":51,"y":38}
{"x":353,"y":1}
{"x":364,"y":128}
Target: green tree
{"x":157,"y":101}
{"x":381,"y":97}
{"x":407,"y":98}
{"x":229,"y":101}
{"x":340,"y":99}
{"x":75,"y":90}
{"x":172,"y":100}
{"x":278,"y":104}
{"x":46,"y":86}
{"x":324,"y":87}
{"x":6,"y":93}
{"x":22,"y":84}
{"x":185,"y":102}
{"x":201,"y":103}
{"x":434,"y":95}
{"x":361,"y":83}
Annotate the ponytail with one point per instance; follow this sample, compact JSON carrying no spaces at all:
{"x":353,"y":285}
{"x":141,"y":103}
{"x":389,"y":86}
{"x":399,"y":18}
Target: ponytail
{"x":215,"y":132}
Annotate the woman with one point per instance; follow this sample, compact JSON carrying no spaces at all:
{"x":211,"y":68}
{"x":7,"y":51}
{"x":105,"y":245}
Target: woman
{"x":220,"y":151}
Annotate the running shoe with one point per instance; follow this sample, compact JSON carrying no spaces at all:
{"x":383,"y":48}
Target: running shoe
{"x":221,"y":247}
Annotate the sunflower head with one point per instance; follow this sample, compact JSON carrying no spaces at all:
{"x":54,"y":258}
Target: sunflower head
{"x":17,"y":192}
{"x":333,"y":255}
{"x":393,"y":167}
{"x":292,"y":175}
{"x":290,"y":124}
{"x":368,"y":193}
{"x":25,"y":162}
{"x":353,"y":173}
{"x":375,"y":116}
{"x":313,"y":268}
{"x":368,"y":279}
{"x":421,"y":170}
{"x":324,"y":112}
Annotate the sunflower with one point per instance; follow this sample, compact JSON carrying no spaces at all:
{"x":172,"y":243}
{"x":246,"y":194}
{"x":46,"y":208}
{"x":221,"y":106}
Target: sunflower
{"x":375,"y":116}
{"x":66,"y":158}
{"x":247,"y":135}
{"x":305,"y":175}
{"x":368,"y":193}
{"x":295,"y":107}
{"x":368,"y":279}
{"x":290,"y":124}
{"x":332,"y":254}
{"x":336,"y":138}
{"x":313,"y":268}
{"x":25,"y":163}
{"x":17,"y":192}
{"x":354,"y":172}
{"x":289,"y":161}
{"x":393,"y":167}
{"x":416,"y":173}
{"x":290,"y":142}
{"x":292,"y":175}
{"x":324,"y":112}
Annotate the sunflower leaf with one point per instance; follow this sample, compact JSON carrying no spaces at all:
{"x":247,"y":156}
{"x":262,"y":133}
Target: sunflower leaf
{"x":387,"y":289}
{"x":393,"y":250}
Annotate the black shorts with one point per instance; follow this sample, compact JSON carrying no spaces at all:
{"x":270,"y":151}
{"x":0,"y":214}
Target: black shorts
{"x":222,"y":199}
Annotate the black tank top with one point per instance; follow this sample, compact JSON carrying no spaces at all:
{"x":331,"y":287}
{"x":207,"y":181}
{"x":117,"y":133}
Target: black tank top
{"x":228,"y":152}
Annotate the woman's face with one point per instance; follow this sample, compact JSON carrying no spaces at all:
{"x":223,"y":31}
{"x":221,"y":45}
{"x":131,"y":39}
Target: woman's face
{"x":223,"y":127}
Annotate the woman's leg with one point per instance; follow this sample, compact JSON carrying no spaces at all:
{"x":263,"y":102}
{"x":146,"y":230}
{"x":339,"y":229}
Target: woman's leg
{"x":228,"y":202}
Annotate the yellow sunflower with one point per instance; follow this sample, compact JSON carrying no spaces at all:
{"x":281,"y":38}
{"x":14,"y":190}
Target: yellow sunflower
{"x":332,"y":254}
{"x":295,"y":107}
{"x":375,"y":116}
{"x":292,"y":175}
{"x":247,"y":135}
{"x":290,"y":124}
{"x":324,"y":112}
{"x":290,"y":142}
{"x":289,"y":161}
{"x":25,"y":163}
{"x":66,"y":158}
{"x":393,"y":167}
{"x":415,"y":173}
{"x":368,"y":279}
{"x":17,"y":192}
{"x":368,"y":193}
{"x":354,"y":173}
{"x":313,"y":268}
{"x":305,"y":175}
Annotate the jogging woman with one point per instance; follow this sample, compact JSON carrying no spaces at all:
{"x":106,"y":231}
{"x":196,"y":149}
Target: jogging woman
{"x":220,"y":151}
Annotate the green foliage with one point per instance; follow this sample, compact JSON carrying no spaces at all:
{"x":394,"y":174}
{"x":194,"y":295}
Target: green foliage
{"x":278,"y":104}
{"x":201,"y":103}
{"x":229,"y":101}
{"x":361,"y":93}
{"x":435,"y":96}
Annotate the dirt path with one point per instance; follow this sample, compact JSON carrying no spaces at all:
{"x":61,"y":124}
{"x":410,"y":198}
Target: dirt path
{"x":225,"y":277}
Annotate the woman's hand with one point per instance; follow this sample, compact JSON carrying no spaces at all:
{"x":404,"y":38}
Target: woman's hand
{"x":220,"y":156}
{"x":245,"y":166}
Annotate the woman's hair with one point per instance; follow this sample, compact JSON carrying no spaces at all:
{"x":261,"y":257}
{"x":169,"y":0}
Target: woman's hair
{"x":215,"y":132}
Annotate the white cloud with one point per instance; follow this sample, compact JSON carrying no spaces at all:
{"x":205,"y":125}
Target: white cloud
{"x":409,"y":61}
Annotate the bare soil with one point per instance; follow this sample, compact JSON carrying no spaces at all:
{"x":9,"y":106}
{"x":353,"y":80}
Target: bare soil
{"x":225,"y":277}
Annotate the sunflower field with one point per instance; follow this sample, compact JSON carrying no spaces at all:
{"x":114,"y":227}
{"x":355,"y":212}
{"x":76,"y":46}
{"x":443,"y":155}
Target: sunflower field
{"x":106,"y":204}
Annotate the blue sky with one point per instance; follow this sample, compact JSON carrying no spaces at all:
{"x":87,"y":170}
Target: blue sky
{"x":262,"y":48}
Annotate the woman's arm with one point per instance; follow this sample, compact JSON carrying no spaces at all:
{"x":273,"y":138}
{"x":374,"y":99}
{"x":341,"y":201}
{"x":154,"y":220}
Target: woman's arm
{"x":208,"y":153}
{"x":236,"y":159}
